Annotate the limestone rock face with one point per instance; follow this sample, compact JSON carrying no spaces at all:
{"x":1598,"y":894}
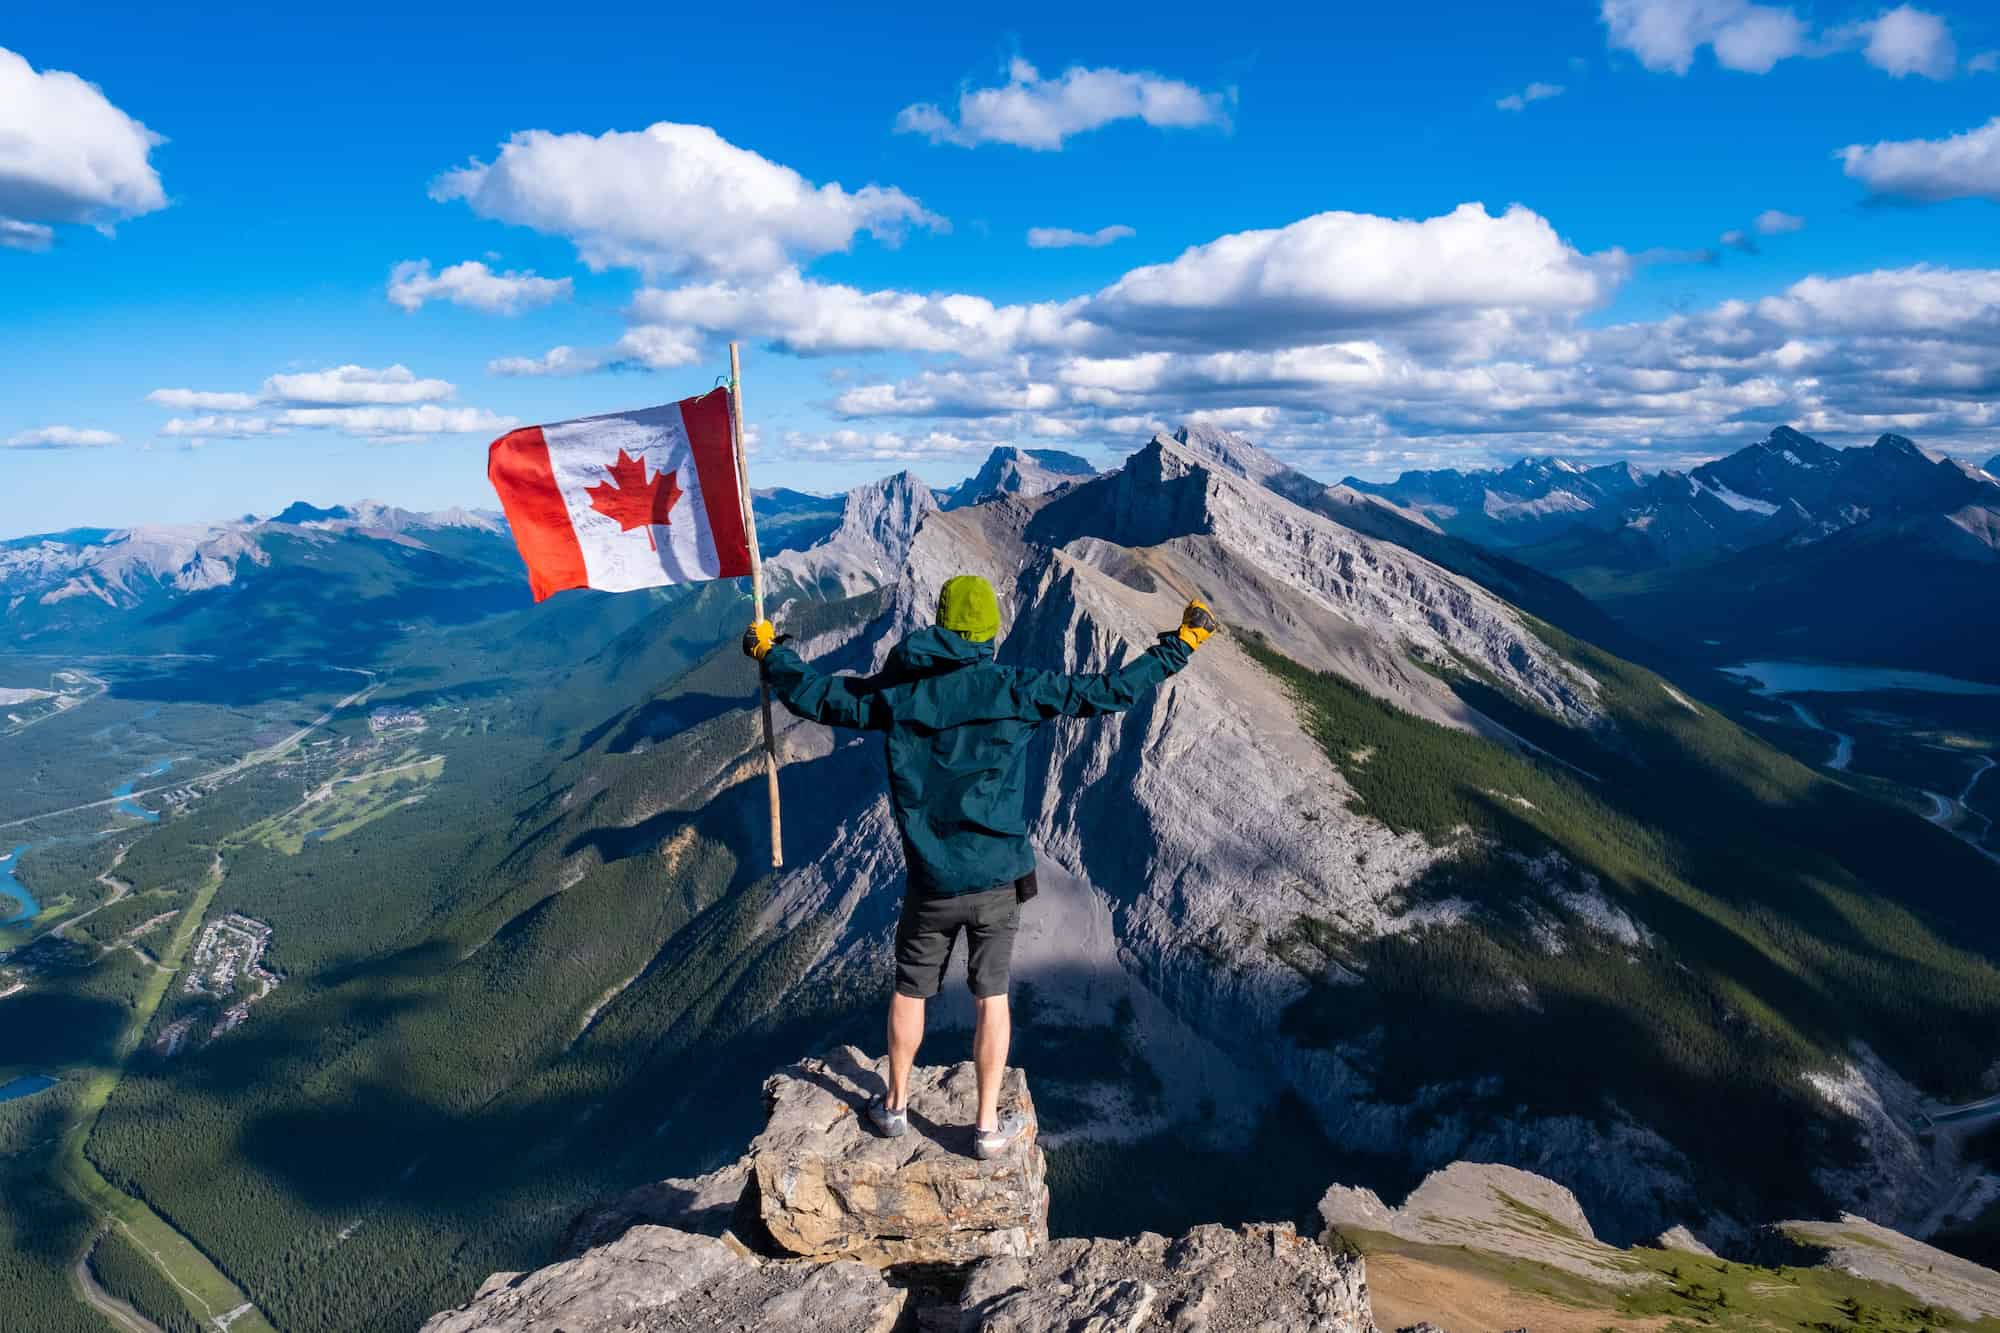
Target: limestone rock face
{"x":1215,"y":1279}
{"x":829,"y":1186}
{"x":1489,"y":1207}
{"x":656,"y":1278}
{"x":704,"y":1205}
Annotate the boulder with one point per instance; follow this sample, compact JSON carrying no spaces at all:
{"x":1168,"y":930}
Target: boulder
{"x":658,"y":1279}
{"x":1680,"y":1238}
{"x":1215,"y":1279}
{"x":829,"y":1186}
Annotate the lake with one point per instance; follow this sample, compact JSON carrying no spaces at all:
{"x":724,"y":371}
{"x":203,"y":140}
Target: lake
{"x":13,"y":890}
{"x":27,"y":1085}
{"x":1826,"y":678}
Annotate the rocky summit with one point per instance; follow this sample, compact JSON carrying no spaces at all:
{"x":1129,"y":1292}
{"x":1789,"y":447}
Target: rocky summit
{"x":829,"y":1186}
{"x":825,"y":1226}
{"x":1215,"y":1279}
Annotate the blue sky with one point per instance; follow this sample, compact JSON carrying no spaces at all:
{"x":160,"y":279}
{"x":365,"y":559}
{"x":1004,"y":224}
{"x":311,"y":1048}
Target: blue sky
{"x":1301,"y":263}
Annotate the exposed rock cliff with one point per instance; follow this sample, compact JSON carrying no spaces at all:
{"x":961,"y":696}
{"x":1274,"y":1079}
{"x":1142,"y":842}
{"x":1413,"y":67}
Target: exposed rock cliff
{"x":1012,"y":471}
{"x":835,"y":1229}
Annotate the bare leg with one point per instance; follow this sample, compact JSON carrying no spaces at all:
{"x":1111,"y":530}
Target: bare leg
{"x":990,"y":1034}
{"x":906,"y":1033}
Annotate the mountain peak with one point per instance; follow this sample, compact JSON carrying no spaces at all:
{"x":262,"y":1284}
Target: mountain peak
{"x":1213,"y":446}
{"x":1904,"y":445}
{"x":302,"y":511}
{"x":1011,"y":470}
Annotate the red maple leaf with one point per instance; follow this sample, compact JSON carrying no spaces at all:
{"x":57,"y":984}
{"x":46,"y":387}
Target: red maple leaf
{"x":631,"y":499}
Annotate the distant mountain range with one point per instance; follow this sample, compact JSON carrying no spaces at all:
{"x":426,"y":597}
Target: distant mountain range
{"x":1885,"y":553}
{"x":336,"y":581}
{"x":1787,"y":487}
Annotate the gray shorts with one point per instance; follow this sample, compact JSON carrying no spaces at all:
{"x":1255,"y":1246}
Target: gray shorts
{"x":930,"y":927}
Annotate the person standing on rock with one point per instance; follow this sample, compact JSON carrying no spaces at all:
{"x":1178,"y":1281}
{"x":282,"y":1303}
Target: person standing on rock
{"x":957,"y":728}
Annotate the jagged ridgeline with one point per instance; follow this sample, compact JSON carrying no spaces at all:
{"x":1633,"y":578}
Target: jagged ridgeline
{"x":1407,"y":867}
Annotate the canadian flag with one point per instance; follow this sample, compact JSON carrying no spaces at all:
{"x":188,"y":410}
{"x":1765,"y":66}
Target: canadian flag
{"x":631,"y":500}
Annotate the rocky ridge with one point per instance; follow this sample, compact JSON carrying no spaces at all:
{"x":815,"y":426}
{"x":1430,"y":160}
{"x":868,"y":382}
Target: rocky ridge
{"x":824,"y":1227}
{"x":1013,"y":471}
{"x":1786,"y":488}
{"x":1247,"y":826}
{"x":834,"y":1229}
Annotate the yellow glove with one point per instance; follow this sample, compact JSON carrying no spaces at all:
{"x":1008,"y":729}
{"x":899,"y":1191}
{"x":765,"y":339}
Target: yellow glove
{"x":757,"y":640}
{"x":1197,"y":623}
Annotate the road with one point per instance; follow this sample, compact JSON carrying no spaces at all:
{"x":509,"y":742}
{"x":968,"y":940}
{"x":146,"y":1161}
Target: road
{"x":1971,"y":1114}
{"x":1953,"y":812}
{"x":119,"y":888}
{"x":210,"y":1293}
{"x":102,"y":1301}
{"x":251,"y":760}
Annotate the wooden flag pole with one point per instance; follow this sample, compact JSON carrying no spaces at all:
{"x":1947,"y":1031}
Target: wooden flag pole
{"x":757,"y":598}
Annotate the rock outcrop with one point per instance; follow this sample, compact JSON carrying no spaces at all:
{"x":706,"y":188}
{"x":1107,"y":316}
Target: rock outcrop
{"x":829,"y":1186}
{"x":1482,"y":1205}
{"x":826,"y":1227}
{"x":1212,"y":1280}
{"x":1875,"y":1253}
{"x":822,"y":1228}
{"x":656,"y":1278}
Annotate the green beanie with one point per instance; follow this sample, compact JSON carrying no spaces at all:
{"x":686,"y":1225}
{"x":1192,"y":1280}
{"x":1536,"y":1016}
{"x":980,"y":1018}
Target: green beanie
{"x":967,"y":604}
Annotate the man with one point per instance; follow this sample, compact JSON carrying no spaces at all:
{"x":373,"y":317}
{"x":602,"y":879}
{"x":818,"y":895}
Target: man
{"x":958,"y":726}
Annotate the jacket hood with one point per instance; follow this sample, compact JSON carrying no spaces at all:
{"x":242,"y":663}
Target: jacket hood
{"x":933,"y":647}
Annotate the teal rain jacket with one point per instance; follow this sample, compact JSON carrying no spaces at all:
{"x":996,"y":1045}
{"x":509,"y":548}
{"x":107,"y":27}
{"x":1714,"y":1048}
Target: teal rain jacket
{"x":958,"y":725}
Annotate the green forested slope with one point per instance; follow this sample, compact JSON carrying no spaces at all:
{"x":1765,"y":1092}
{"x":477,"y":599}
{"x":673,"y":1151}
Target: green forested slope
{"x":414,"y":1107}
{"x":1788,"y":916}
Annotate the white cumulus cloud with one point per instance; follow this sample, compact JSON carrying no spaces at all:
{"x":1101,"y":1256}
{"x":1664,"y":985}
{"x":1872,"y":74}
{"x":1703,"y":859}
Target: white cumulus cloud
{"x":1963,"y":166}
{"x":376,"y":403}
{"x":1029,"y":111}
{"x":1666,"y":34}
{"x":220,"y":427}
{"x":1772,"y":222}
{"x":398,"y":422}
{"x":674,"y":199}
{"x":411,"y":283}
{"x":1062,"y":238}
{"x":67,"y":155}
{"x":61,"y":437}
{"x":1910,"y":41}
{"x":1534,"y":92}
{"x":811,"y":317}
{"x":555,"y":361}
{"x":1343,"y":270}
{"x":857,"y":446}
{"x":343,"y":385}
{"x":196,"y":400}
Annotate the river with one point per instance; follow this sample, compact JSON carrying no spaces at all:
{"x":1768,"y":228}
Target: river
{"x":1775,"y":680}
{"x":14,"y":894}
{"x":132,"y":807}
{"x":13,"y":891}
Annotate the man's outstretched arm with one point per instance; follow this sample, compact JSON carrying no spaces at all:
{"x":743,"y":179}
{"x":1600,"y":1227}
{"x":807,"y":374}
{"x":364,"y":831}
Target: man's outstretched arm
{"x":1046,"y":694}
{"x":838,"y":701}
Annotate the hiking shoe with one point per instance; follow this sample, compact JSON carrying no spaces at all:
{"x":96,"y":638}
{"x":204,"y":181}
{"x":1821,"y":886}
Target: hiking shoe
{"x":990,"y":1143}
{"x":889,"y":1124}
